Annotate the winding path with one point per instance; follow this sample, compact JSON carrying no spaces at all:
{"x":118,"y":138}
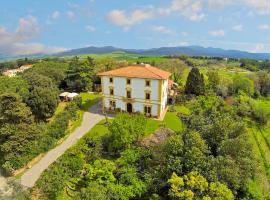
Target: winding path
{"x":90,"y":119}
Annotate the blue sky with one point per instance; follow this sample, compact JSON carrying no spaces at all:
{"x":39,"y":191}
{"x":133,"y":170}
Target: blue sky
{"x":35,"y":26}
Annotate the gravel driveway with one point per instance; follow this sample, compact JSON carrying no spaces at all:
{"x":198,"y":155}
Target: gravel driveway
{"x":90,"y":119}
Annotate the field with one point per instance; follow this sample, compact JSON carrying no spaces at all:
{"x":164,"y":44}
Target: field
{"x":121,"y":56}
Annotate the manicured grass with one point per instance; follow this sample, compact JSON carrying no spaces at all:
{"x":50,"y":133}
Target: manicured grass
{"x":182,"y":109}
{"x":89,"y":99}
{"x":151,"y":126}
{"x":99,"y":130}
{"x":173,"y":122}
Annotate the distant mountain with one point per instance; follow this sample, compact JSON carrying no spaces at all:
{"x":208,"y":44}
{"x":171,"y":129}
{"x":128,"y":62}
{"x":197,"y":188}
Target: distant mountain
{"x":190,"y":50}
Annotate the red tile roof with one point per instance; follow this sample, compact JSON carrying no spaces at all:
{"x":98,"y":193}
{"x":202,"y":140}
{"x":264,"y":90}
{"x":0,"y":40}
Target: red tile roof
{"x":138,"y":71}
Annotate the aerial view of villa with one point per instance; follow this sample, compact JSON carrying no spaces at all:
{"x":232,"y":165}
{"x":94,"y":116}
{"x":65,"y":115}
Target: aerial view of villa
{"x":135,"y":100}
{"x":136,"y":88}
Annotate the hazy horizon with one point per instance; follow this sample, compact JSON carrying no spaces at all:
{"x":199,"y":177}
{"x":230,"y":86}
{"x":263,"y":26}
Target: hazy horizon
{"x":31,"y":27}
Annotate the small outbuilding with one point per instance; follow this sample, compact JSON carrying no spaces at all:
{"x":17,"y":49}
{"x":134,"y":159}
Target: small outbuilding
{"x":67,"y":96}
{"x":72,"y":95}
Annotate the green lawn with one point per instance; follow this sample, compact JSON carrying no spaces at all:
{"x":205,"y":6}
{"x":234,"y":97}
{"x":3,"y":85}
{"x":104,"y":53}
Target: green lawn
{"x":99,"y":130}
{"x":89,"y":99}
{"x":171,"y":121}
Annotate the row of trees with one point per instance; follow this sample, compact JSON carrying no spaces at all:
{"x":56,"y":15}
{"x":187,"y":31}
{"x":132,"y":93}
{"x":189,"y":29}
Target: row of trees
{"x":16,"y":63}
{"x":26,"y":103}
{"x":253,"y":85}
{"x":255,"y":65}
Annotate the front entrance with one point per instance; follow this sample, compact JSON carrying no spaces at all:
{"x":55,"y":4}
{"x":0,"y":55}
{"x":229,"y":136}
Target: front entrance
{"x":129,"y":108}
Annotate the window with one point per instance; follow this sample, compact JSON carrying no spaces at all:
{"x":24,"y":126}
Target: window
{"x":128,"y":81}
{"x":147,"y":95}
{"x":129,"y":94}
{"x":147,"y":83}
{"x":147,"y":110}
{"x":112,"y":105}
{"x":111,"y":80}
{"x":111,"y":91}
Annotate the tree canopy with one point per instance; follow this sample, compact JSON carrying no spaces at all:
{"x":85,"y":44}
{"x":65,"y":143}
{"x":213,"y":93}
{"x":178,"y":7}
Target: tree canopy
{"x":195,"y":82}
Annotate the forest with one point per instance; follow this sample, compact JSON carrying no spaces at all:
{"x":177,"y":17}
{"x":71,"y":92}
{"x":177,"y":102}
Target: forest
{"x":214,"y":142}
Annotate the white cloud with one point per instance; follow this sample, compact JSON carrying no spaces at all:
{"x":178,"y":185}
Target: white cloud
{"x":90,"y":28}
{"x":264,"y":27}
{"x":19,"y":42}
{"x":259,"y":48}
{"x":121,"y":19}
{"x":55,"y":15}
{"x":238,"y":28}
{"x":71,"y":15}
{"x":191,"y":9}
{"x":163,"y":29}
{"x":219,"y":4}
{"x":217,"y":33}
{"x":261,"y":6}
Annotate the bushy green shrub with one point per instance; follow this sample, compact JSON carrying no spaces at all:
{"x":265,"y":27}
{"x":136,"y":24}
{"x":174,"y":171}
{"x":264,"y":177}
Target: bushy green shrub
{"x":125,"y":130}
{"x":58,"y":128}
{"x":260,"y":114}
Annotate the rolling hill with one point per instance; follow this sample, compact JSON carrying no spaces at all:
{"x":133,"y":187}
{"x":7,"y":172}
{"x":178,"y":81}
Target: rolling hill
{"x":190,"y":50}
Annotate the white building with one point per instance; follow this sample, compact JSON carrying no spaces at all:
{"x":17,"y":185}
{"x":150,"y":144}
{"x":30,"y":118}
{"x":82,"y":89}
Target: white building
{"x":137,"y":88}
{"x":13,"y":72}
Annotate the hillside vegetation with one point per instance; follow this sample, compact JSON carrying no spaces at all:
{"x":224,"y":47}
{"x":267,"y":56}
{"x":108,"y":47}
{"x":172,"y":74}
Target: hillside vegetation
{"x":214,"y":142}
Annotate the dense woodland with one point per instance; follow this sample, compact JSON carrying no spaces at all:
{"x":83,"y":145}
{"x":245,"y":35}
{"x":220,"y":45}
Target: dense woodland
{"x":221,"y":152}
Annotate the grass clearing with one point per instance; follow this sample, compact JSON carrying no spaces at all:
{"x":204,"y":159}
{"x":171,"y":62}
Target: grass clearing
{"x":89,"y":99}
{"x":171,"y":121}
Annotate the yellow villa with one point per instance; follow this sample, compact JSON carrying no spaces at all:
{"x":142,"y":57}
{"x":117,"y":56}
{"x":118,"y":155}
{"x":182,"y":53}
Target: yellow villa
{"x":136,"y":88}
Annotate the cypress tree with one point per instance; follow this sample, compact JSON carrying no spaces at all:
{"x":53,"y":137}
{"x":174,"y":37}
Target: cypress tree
{"x":195,"y":82}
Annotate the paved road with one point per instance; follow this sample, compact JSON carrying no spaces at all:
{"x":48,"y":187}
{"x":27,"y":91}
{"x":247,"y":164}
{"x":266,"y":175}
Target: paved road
{"x":90,"y":119}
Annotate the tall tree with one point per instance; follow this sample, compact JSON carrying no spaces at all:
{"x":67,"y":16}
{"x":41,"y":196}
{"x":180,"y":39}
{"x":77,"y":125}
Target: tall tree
{"x":264,"y":83}
{"x":195,"y":82}
{"x":214,"y":79}
{"x":43,"y":98}
{"x":17,"y":132}
{"x":80,"y":75}
{"x":242,"y":84}
{"x":14,"y":85}
{"x":43,"y":102}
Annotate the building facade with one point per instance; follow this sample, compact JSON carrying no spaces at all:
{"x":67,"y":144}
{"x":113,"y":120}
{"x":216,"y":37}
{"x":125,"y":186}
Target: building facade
{"x":137,"y":88}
